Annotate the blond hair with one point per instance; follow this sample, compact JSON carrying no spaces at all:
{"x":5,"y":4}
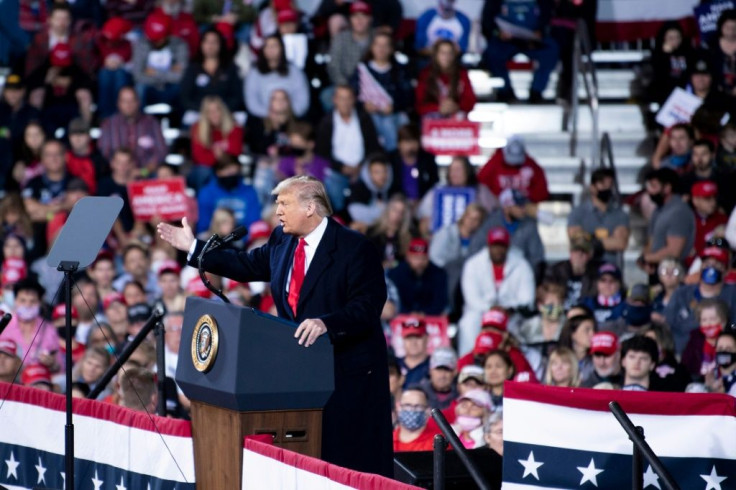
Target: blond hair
{"x":307,"y":189}
{"x":204,"y":127}
{"x":564,"y":354}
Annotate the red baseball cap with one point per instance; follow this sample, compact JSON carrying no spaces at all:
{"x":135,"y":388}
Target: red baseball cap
{"x":157,"y":26}
{"x":487,"y":341}
{"x":197,"y":288}
{"x":61,"y":55}
{"x":13,"y":271}
{"x":112,"y":298}
{"x":36,"y":373}
{"x":258,"y":230}
{"x":169,"y":266}
{"x":413,"y":326}
{"x":115,"y":28}
{"x":704,"y":188}
{"x":418,"y":246}
{"x":60,"y":312}
{"x":499,"y":236}
{"x":287,"y":15}
{"x":9,"y":347}
{"x":496,"y":319}
{"x":718,"y":253}
{"x":360,"y":8}
{"x":604,"y":343}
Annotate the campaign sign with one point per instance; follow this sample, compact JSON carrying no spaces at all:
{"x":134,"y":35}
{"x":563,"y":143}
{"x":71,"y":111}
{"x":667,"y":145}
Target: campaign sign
{"x":165,"y":198}
{"x":707,"y":14}
{"x":449,"y":204}
{"x":450,"y":137}
{"x":436,"y":331}
{"x":678,"y":108}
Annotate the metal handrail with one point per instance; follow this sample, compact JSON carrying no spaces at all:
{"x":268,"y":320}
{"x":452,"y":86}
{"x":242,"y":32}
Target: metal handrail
{"x":462,"y":453}
{"x":583,"y":65}
{"x":607,"y":160}
{"x":641,"y":449}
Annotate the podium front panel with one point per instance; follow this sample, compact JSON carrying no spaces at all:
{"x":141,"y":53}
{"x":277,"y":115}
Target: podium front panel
{"x":258,"y":364}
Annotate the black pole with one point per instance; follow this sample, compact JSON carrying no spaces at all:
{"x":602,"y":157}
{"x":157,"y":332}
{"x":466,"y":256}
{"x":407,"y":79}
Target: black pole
{"x":457,"y":445}
{"x":68,"y":268}
{"x":127,"y":351}
{"x":637,"y":465}
{"x":160,"y":367}
{"x":440,"y":446}
{"x":642,"y":445}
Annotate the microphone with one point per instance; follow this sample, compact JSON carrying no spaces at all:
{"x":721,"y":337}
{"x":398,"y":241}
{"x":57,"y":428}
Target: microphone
{"x":4,"y":321}
{"x":236,"y":235}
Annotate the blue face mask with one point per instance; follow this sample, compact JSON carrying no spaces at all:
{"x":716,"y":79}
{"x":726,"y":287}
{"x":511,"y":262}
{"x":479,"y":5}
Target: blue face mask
{"x":637,"y":315}
{"x":711,"y":276}
{"x":678,"y":161}
{"x":412,"y":419}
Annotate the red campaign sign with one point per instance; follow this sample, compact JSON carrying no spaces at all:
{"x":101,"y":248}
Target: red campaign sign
{"x":166,"y":198}
{"x":449,"y":137}
{"x":436,"y":329}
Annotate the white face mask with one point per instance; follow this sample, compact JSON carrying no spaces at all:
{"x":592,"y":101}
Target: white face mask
{"x":27,"y":313}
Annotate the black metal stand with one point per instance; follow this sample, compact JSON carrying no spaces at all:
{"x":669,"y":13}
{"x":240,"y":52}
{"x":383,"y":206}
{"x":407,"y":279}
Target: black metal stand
{"x":159,"y":332}
{"x":457,"y":445}
{"x":68,"y":268}
{"x":641,"y":448}
{"x":127,"y":351}
{"x":213,"y":242}
{"x":438,"y":475}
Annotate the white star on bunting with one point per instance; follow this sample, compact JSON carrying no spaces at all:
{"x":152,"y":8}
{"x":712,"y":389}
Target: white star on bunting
{"x":590,"y":473}
{"x":12,"y":466}
{"x":41,"y":472}
{"x":651,"y":478}
{"x":713,"y":481}
{"x":121,"y":486}
{"x":97,"y":482}
{"x":530,"y":466}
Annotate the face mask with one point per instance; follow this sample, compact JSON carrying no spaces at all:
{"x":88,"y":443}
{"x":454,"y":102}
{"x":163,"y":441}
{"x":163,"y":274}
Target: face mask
{"x":27,"y":313}
{"x":298,"y":152}
{"x":229,"y":183}
{"x":657,"y":199}
{"x":637,"y":316}
{"x":605,"y":195}
{"x":678,"y":161}
{"x":551,"y":312}
{"x":725,"y":359}
{"x":62,"y":331}
{"x":711,"y":276}
{"x":468,"y":423}
{"x":412,"y":419}
{"x":711,"y":331}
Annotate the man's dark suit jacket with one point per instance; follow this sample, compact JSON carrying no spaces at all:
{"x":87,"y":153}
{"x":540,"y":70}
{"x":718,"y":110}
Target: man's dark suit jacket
{"x":345,"y":288}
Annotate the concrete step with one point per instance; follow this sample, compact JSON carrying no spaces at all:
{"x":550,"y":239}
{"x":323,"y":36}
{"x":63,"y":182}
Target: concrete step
{"x":523,"y":119}
{"x":613,"y":84}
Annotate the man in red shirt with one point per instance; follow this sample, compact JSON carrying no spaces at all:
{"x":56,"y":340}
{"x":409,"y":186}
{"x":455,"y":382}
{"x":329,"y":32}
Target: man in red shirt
{"x":708,"y":218}
{"x":512,"y":168}
{"x":413,"y":434}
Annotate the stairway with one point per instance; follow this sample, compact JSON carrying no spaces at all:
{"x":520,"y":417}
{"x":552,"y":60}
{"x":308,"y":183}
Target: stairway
{"x":549,"y":145}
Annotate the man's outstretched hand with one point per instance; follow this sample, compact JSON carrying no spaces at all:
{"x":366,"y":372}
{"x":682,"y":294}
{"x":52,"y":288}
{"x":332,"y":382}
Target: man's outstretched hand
{"x":180,"y":238}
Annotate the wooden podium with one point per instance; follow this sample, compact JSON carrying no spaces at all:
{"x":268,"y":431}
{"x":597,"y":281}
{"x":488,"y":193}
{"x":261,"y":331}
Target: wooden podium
{"x":245,"y":374}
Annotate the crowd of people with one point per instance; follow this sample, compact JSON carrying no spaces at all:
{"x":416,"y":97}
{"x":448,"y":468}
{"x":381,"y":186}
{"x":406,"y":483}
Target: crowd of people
{"x":325,"y":96}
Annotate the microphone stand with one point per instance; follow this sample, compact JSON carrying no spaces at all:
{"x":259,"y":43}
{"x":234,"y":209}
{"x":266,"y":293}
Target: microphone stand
{"x":127,"y":351}
{"x":211,"y":244}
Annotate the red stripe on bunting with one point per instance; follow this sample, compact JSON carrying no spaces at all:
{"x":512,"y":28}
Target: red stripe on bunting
{"x":343,"y":476}
{"x":633,"y":402}
{"x":96,"y":409}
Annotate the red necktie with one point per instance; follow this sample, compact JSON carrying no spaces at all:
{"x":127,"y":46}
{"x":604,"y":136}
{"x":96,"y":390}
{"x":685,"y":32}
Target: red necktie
{"x":297,"y":275}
